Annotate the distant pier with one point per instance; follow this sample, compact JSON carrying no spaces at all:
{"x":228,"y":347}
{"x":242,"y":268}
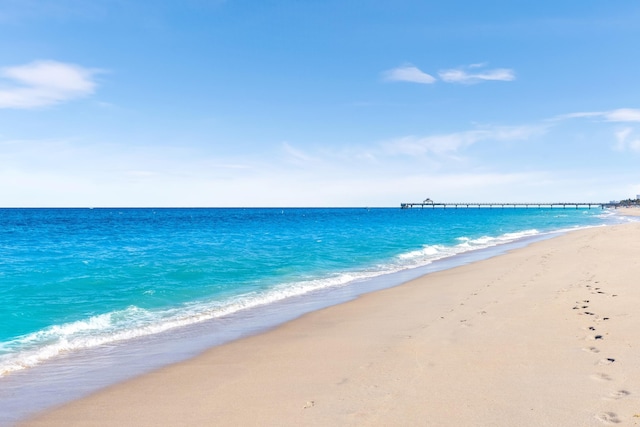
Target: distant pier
{"x":564,"y":205}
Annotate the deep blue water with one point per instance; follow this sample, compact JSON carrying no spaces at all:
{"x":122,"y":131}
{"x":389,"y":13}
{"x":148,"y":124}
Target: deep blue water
{"x":73,"y":280}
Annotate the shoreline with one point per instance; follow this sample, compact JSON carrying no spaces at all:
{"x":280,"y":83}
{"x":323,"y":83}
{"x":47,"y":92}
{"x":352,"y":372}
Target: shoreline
{"x":77,"y":374}
{"x":504,"y":346}
{"x":82,"y":373}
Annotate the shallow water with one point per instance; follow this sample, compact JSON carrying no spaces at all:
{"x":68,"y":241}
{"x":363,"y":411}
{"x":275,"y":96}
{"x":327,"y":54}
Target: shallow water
{"x":91,"y":297}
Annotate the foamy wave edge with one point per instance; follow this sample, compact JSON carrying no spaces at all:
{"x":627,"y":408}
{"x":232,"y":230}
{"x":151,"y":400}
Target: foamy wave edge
{"x":134,"y":322}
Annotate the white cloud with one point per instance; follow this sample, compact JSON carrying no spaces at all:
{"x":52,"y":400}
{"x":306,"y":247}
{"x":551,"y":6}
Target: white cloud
{"x":626,"y":141}
{"x":579,"y":115}
{"x":459,"y":75}
{"x":408,"y":73}
{"x":450,"y":143}
{"x":619,"y":115}
{"x":43,"y":83}
{"x":623,"y":115}
{"x":81,"y":173}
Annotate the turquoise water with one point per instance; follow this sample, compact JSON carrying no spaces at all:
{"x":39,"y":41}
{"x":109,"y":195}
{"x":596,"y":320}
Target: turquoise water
{"x":81,"y":282}
{"x":80,"y":278}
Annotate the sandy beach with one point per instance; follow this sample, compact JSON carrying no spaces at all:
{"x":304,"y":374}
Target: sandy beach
{"x":546,"y":335}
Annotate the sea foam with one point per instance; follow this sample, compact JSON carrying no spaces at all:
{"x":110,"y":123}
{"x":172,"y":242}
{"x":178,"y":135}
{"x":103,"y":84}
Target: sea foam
{"x":144,"y":272}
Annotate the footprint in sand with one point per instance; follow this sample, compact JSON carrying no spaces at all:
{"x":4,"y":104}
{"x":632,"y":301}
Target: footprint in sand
{"x":607,"y":361}
{"x":593,"y":337}
{"x":619,"y":394}
{"x":608,"y":418}
{"x":601,"y":377}
{"x":591,"y":350}
{"x":581,"y":304}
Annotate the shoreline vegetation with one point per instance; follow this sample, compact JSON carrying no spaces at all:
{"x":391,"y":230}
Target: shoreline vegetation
{"x":628,"y":203}
{"x":542,"y":335}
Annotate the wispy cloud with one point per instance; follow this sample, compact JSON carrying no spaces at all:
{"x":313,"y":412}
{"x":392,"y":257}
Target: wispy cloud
{"x":464,"y":75}
{"x":623,"y":115}
{"x":295,"y":155}
{"x":44,"y":83}
{"x":619,"y":115}
{"x":461,"y":75}
{"x":408,"y":73}
{"x":626,"y":141}
{"x":448,"y":144}
{"x":577,"y":115}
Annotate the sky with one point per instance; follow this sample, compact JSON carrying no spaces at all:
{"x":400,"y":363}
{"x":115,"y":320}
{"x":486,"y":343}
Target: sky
{"x":314,"y":103}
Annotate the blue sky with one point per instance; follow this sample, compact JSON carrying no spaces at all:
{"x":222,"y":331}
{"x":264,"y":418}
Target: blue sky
{"x":317,"y":102}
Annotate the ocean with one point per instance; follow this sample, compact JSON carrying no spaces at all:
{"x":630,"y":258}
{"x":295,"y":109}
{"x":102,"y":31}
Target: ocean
{"x":89,"y":297}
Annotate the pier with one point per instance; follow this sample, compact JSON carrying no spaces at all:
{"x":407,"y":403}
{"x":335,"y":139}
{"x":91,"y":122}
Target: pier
{"x":564,"y":205}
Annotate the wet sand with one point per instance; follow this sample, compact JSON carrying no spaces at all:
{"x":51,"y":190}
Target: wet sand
{"x":545,"y":335}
